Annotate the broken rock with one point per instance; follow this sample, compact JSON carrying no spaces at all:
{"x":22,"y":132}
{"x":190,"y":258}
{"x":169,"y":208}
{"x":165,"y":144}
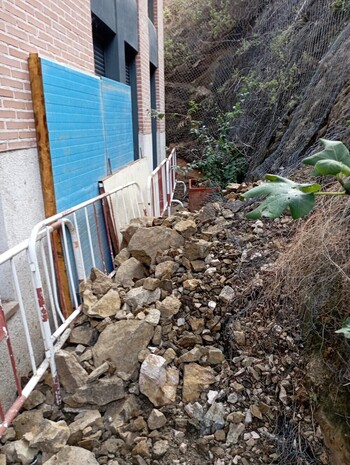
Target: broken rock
{"x":70,"y":455}
{"x":129,"y":272}
{"x":166,"y":270}
{"x":139,"y":297}
{"x":196,"y":379}
{"x":169,"y":307}
{"x":156,"y":420}
{"x":147,"y":243}
{"x":20,"y":451}
{"x":101,"y":283}
{"x":121,"y":412}
{"x":186,"y":228}
{"x":101,"y":392}
{"x":197,"y":250}
{"x":158,"y":382}
{"x":72,"y":374}
{"x":83,"y":420}
{"x":51,"y":437}
{"x":121,"y":343}
{"x":107,"y":306}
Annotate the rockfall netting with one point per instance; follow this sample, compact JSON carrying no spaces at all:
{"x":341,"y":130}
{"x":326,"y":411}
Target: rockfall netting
{"x":286,"y":62}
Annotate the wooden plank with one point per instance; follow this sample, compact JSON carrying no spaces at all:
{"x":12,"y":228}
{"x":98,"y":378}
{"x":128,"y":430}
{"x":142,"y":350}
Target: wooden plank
{"x":42,"y":135}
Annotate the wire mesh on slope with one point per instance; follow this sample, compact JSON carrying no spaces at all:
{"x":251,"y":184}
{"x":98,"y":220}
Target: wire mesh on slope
{"x":285,"y":61}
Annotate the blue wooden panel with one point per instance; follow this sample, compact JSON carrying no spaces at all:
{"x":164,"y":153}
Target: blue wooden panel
{"x":117,"y":114}
{"x":76,"y":133}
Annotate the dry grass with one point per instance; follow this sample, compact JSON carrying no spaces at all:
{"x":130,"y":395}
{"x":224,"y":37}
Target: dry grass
{"x":313,"y":282}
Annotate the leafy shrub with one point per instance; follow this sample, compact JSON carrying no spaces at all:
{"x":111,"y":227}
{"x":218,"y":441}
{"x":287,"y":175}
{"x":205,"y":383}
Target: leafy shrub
{"x":220,"y":160}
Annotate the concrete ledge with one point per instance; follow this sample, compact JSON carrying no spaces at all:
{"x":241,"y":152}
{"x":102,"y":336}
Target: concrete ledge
{"x":10,"y":308}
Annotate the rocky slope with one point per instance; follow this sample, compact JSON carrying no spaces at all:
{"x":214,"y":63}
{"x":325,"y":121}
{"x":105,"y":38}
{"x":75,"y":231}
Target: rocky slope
{"x":176,"y":359}
{"x":286,"y":64}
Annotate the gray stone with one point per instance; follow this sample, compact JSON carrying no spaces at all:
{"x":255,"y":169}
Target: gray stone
{"x":51,"y":437}
{"x":227,"y":294}
{"x":147,"y":243}
{"x":84,"y":335}
{"x":121,"y":412}
{"x":139,"y":297}
{"x":101,"y":392}
{"x":70,"y":455}
{"x":153,"y":316}
{"x":156,"y":420}
{"x":72,"y":374}
{"x":19,"y":451}
{"x":107,"y":306}
{"x":197,"y":250}
{"x":195,"y":411}
{"x":236,"y":429}
{"x":160,"y":448}
{"x":84,"y":420}
{"x":121,"y":343}
{"x":169,"y":307}
{"x":166,"y":270}
{"x":196,"y":379}
{"x":136,"y":223}
{"x":214,"y":418}
{"x":129,"y":272}
{"x":158,"y":382}
{"x":193,"y":355}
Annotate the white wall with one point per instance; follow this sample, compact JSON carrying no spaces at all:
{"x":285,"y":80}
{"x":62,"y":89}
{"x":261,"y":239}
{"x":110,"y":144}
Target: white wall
{"x":161,"y":146}
{"x":21,"y":207}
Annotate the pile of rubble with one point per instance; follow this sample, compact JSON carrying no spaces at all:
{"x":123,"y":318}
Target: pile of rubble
{"x":173,"y":360}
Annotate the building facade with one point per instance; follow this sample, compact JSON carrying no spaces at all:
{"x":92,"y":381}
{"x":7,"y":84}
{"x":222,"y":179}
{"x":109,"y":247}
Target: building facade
{"x":104,"y":41}
{"x":119,"y":39}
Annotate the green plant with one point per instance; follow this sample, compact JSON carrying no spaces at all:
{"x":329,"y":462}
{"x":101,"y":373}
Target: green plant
{"x":220,"y":161}
{"x":345,"y":329}
{"x":341,"y":5}
{"x":281,"y":193}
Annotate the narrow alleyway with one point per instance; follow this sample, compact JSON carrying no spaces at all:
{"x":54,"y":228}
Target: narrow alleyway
{"x":178,"y":358}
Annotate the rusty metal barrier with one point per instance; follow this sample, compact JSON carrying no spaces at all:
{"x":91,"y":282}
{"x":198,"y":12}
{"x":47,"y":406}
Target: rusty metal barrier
{"x":85,"y":245}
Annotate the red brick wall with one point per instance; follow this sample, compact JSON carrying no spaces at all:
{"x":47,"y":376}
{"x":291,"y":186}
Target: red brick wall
{"x":143,"y":70}
{"x":58,"y":30}
{"x":160,"y":82}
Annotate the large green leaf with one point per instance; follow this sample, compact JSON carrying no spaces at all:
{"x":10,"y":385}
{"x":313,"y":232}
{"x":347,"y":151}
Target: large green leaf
{"x":334,"y":159}
{"x":345,"y":329}
{"x":281,"y":194}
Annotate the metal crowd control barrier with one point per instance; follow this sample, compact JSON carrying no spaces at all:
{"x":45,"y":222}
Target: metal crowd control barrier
{"x":39,"y":297}
{"x":161,"y":187}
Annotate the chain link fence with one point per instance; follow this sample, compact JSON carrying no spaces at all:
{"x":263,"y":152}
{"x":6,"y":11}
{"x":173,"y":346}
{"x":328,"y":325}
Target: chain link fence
{"x":285,"y":63}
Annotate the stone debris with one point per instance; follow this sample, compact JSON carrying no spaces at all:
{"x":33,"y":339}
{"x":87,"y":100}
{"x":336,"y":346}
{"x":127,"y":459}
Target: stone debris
{"x":158,"y":382}
{"x":173,"y":360}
